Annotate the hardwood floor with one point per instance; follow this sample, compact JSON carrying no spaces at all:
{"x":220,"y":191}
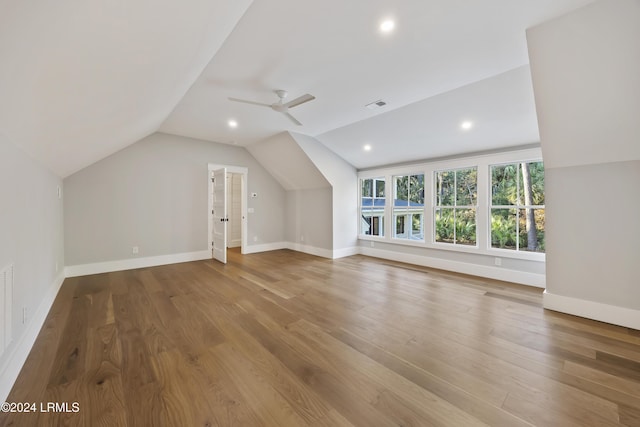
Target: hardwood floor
{"x":287,"y":339}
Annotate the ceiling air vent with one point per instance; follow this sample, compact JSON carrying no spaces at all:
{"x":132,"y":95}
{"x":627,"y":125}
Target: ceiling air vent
{"x":376,"y":104}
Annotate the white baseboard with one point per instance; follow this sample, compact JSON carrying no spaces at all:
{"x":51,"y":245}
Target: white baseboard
{"x":20,"y":351}
{"x":311,"y":250}
{"x":344,"y":252}
{"x":254,"y":249}
{"x":613,"y":314}
{"x":130,"y":264}
{"x":497,"y":273}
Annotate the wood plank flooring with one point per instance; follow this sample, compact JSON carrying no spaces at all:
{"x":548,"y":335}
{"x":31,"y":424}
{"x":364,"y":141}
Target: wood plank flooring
{"x":288,"y":339}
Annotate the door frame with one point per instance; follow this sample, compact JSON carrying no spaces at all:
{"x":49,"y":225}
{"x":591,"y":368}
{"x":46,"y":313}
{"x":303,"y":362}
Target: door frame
{"x":244,"y":172}
{"x":220,"y":218}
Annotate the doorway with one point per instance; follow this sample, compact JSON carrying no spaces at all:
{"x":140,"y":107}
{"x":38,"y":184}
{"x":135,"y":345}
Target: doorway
{"x":234,"y":210}
{"x":227,"y":209}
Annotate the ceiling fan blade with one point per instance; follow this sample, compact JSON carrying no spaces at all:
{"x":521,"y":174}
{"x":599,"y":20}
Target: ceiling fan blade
{"x":249,"y":102}
{"x":299,"y":100}
{"x":293,"y":119}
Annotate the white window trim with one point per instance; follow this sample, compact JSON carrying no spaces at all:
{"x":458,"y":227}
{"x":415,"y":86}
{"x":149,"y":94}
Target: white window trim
{"x":483,"y":163}
{"x":385,"y":211}
{"x":435,"y":207}
{"x":424,"y":217}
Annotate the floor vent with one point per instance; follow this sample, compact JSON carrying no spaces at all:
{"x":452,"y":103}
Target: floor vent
{"x":6,"y":304}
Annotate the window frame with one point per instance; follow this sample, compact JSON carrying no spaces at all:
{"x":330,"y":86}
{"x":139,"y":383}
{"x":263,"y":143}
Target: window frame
{"x":393,"y":210}
{"x":384,"y":209}
{"x":483,"y":162}
{"x":517,"y":207}
{"x":455,"y":205}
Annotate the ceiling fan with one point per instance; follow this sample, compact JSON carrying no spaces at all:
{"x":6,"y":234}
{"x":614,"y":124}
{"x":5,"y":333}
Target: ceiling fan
{"x":281,"y":106}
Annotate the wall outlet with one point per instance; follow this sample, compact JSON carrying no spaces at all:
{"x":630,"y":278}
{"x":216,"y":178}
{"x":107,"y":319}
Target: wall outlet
{"x":302,"y":238}
{"x":135,"y":250}
{"x":250,"y":210}
{"x":255,"y":238}
{"x":373,"y":244}
{"x":498,"y":261}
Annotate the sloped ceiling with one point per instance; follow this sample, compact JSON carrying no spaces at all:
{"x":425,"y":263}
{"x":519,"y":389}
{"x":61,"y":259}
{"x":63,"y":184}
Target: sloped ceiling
{"x":501,"y":108}
{"x":80,"y":80}
{"x":288,"y":163}
{"x":333,"y":50}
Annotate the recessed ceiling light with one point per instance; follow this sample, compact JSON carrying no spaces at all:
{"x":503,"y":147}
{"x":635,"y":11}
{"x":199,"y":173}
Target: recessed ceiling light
{"x":466,"y":125}
{"x":367,"y":147}
{"x":387,"y":26}
{"x":233,"y":124}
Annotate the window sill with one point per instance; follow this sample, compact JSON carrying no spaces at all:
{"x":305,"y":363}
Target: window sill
{"x":494,"y":252}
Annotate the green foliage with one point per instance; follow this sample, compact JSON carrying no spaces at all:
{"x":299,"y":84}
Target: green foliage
{"x":508,"y":229}
{"x":410,"y":187}
{"x":507,"y":184}
{"x":466,"y":187}
{"x":444,"y":225}
{"x":503,"y":228}
{"x":504,"y":232}
{"x":373,"y":187}
{"x":456,"y":226}
{"x":457,"y":187}
{"x":416,"y":220}
{"x":367,"y":187}
{"x":466,"y":226}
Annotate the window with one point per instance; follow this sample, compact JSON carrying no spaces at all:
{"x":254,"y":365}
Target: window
{"x":490,"y":205}
{"x":408,"y":207}
{"x":372,"y":206}
{"x":517,"y":206}
{"x":456,"y":201}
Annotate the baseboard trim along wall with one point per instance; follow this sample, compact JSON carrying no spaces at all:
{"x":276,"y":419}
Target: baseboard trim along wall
{"x":130,"y":264}
{"x":613,"y":314}
{"x":344,"y":252}
{"x":18,"y":355}
{"x":311,"y":250}
{"x":497,"y":273}
{"x":254,"y":249}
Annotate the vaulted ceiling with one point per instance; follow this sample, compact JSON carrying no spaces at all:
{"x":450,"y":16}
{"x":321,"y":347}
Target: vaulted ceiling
{"x":81,"y":80}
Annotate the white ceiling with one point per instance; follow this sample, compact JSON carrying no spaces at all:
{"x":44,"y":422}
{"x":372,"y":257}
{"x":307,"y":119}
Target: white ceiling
{"x":333,"y":50}
{"x":81,"y":80}
{"x":500,"y":108}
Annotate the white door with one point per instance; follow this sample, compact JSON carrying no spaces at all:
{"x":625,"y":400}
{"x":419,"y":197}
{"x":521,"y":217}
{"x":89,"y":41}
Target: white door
{"x":220,"y":215}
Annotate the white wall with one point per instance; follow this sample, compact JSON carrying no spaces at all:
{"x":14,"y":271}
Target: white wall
{"x":585,"y":68}
{"x":308,"y":219}
{"x":344,"y":182}
{"x":288,"y":163}
{"x":31,"y":238}
{"x":593,"y":245}
{"x":315,"y":206}
{"x":153,"y":195}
